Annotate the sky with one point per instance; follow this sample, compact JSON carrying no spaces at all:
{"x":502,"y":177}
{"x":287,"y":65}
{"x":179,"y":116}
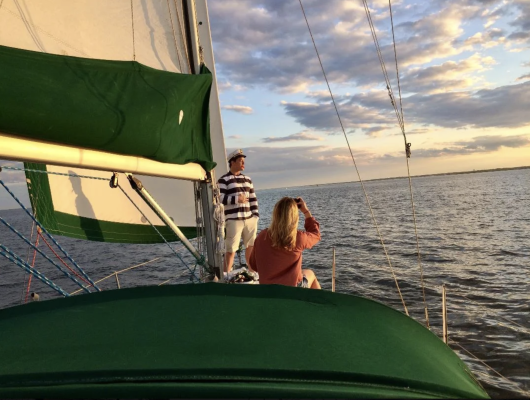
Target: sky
{"x":464,"y":71}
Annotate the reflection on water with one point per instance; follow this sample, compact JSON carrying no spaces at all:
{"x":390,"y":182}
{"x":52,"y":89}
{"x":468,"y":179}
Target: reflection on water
{"x":474,"y":237}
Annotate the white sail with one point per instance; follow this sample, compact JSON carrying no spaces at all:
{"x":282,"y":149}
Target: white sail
{"x":150,"y":32}
{"x":159,"y":34}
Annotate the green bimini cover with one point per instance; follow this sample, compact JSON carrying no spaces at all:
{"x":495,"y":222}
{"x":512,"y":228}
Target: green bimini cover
{"x":117,"y":106}
{"x":217,"y":340}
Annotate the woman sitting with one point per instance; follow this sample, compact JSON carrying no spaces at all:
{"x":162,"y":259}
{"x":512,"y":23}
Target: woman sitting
{"x":277,"y":254}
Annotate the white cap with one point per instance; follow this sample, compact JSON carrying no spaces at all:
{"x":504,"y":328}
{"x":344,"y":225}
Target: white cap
{"x":234,"y":154}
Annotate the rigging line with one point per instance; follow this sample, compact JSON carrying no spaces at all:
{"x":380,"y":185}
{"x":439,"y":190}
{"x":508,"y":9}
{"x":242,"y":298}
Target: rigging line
{"x":490,"y":368}
{"x":43,"y":229}
{"x":55,"y":173}
{"x":382,"y":63}
{"x":62,"y":261}
{"x":408,"y":170}
{"x":32,"y":266}
{"x":401,"y":123}
{"x":157,"y":231}
{"x":27,"y":256}
{"x":170,"y":279}
{"x":27,"y":259}
{"x":119,"y":272}
{"x":355,"y":164}
{"x":174,"y":35}
{"x":201,"y":59}
{"x":4,"y":251}
{"x":41,"y":253}
{"x":395,"y":58}
{"x":183,"y":36}
{"x":490,"y":311}
{"x":132,"y":24}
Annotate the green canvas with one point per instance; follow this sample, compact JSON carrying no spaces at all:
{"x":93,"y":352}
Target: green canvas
{"x":117,"y":106}
{"x":218,"y":340}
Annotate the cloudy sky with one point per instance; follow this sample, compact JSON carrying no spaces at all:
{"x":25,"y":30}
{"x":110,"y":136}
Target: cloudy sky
{"x":464,"y":72}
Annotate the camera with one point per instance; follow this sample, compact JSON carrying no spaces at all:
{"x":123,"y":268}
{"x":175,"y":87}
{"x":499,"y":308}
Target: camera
{"x":297,"y":201}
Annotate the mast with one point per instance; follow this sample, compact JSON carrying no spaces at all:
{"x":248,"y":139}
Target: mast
{"x":202,"y":52}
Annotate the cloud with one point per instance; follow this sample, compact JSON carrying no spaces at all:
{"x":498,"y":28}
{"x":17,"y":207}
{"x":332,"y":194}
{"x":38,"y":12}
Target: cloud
{"x":322,"y":116}
{"x":374,"y":131}
{"x":234,"y":137}
{"x":523,"y":77}
{"x":294,"y":137}
{"x":448,"y":76}
{"x":268,"y":43}
{"x":501,"y":107}
{"x":224,"y":86}
{"x":284,"y":159}
{"x":488,"y":39}
{"x":12,"y":176}
{"x":418,"y":131}
{"x":479,"y":144}
{"x":521,"y":22}
{"x":263,"y":159}
{"x":239,"y":109}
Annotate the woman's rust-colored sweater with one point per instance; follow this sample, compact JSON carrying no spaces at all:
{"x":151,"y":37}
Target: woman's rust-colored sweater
{"x":280,"y":266}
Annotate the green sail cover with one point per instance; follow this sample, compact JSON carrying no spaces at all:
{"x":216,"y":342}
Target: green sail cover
{"x":117,"y":106}
{"x":83,"y":227}
{"x":218,"y":340}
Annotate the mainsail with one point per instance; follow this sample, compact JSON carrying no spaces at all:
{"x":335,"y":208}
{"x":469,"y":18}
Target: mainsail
{"x":109,"y":86}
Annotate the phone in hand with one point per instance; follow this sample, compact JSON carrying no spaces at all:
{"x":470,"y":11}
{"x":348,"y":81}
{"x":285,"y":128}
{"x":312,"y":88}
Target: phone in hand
{"x":298,"y":201}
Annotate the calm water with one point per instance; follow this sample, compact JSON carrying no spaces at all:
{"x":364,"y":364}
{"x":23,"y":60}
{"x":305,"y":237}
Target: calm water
{"x":474,"y":237}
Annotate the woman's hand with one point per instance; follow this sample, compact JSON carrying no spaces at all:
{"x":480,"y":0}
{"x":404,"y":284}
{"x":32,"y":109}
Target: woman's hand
{"x":303,"y":205}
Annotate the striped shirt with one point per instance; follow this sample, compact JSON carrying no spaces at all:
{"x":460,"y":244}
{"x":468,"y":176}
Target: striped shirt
{"x":231,"y":186}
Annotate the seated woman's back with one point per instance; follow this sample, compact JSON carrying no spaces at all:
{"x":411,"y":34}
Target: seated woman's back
{"x":277,"y":254}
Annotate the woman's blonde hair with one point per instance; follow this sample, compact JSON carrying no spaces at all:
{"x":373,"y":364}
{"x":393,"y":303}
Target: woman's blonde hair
{"x":284,"y":224}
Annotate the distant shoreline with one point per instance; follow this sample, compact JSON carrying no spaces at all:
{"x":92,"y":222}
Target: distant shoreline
{"x":405,"y":177}
{"x":451,"y":173}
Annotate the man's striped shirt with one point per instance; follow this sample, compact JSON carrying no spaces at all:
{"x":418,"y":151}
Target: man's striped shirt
{"x":231,"y":186}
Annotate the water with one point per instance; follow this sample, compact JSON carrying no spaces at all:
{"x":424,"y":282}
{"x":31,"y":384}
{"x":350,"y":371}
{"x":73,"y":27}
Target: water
{"x":474,"y":237}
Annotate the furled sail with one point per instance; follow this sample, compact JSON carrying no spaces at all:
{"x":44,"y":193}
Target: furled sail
{"x":116,"y":106}
{"x":116,"y":78}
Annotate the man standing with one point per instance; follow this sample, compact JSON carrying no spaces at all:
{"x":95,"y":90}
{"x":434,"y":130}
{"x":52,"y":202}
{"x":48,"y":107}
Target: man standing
{"x":241,"y":208}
